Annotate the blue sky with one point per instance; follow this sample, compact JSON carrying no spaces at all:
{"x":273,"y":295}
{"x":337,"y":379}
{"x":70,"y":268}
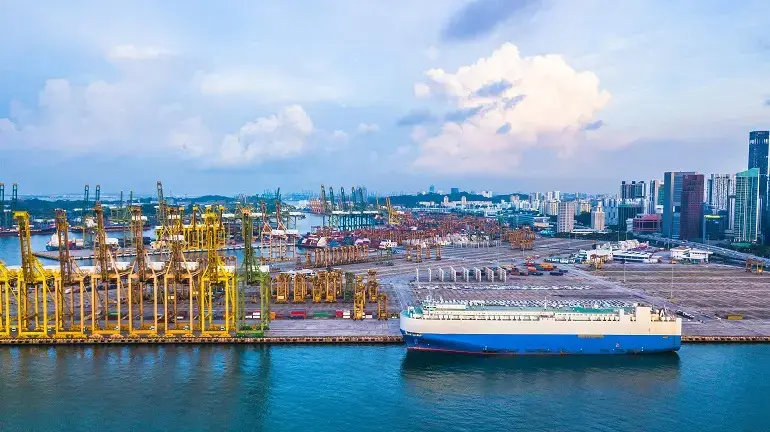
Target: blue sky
{"x":240,"y":96}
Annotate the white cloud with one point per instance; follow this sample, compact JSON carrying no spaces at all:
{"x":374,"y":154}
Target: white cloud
{"x":339,"y":135}
{"x":504,"y":104}
{"x":7,"y":126}
{"x":278,"y":136}
{"x":126,"y":117}
{"x":133,"y":52}
{"x":365,"y":128}
{"x":419,"y":133}
{"x":191,"y":137}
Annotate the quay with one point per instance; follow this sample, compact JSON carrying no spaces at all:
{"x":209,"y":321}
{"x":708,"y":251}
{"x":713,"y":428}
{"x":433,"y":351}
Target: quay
{"x":301,"y":340}
{"x":282,"y":340}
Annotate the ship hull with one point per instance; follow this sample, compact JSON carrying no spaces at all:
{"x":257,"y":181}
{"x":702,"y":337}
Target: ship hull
{"x":542,"y":344}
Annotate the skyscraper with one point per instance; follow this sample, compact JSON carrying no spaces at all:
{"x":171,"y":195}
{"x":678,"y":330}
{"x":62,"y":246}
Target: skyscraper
{"x":654,"y":189}
{"x":691,"y":225}
{"x":672,"y":202}
{"x":759,"y":145}
{"x":565,"y":221}
{"x":633,"y":190}
{"x":720,"y":187}
{"x":746,"y":215}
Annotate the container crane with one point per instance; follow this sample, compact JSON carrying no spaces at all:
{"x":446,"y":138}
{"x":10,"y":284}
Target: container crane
{"x":35,"y":285}
{"x":253,"y":273}
{"x":14,"y":198}
{"x":3,"y":223}
{"x":141,"y":278}
{"x":216,"y":278}
{"x":72,"y":280}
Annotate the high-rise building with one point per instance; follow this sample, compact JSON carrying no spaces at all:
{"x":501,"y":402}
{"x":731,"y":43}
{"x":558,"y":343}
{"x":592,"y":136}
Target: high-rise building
{"x":565,"y":221}
{"x":432,"y":189}
{"x":720,"y":186}
{"x":691,"y":225}
{"x":759,"y":145}
{"x":672,"y":202}
{"x":556,"y":195}
{"x":654,"y":189}
{"x":633,"y":190}
{"x":628,"y":211}
{"x":454,"y":191}
{"x":597,"y":218}
{"x":550,"y":207}
{"x":746,"y":219}
{"x":610,"y":206}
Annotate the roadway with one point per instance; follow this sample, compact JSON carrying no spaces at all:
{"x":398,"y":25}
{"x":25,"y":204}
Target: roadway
{"x":717,"y":250}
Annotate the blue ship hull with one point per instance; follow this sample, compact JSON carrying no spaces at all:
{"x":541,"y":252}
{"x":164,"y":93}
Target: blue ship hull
{"x":533,"y":344}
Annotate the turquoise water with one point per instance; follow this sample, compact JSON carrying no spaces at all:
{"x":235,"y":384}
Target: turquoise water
{"x":345,"y":388}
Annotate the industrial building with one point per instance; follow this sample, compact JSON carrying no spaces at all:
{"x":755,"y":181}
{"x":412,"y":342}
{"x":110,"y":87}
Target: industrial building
{"x":647,"y":224}
{"x":687,"y":254}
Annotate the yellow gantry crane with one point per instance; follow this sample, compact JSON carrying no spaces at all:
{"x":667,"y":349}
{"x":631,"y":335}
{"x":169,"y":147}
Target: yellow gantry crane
{"x":70,"y":315}
{"x":359,"y":299}
{"x":142,"y":283}
{"x":217,"y":279}
{"x":36,"y":287}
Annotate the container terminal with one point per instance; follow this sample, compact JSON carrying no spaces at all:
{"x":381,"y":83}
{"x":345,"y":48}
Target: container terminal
{"x":343,"y":282}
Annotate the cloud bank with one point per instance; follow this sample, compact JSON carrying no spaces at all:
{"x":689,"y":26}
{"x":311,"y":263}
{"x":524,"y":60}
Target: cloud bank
{"x":504,"y":104}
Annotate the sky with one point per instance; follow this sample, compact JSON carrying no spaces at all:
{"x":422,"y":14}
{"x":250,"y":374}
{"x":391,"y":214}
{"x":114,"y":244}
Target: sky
{"x":505,"y":95}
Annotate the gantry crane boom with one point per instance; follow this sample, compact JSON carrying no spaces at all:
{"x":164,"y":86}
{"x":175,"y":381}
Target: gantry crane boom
{"x":84,"y":213}
{"x":3,"y":223}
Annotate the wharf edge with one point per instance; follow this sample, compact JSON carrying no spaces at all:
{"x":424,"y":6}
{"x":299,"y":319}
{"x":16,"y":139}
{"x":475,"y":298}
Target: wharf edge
{"x":301,"y":340}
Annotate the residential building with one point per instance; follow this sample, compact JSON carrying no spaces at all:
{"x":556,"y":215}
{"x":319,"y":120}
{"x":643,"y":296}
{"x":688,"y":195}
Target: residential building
{"x":719,"y":187}
{"x":633,"y":190}
{"x":584,"y":206}
{"x":597,"y":218}
{"x":550,"y":207}
{"x":747,"y":206}
{"x":565,"y":221}
{"x":556,"y":195}
{"x":672,"y":202}
{"x":610,"y":206}
{"x":759,"y":145}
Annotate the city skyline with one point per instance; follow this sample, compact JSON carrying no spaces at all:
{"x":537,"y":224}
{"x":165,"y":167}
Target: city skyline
{"x":224,"y":100}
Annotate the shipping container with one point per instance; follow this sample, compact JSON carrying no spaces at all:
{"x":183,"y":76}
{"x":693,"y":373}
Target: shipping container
{"x":321,"y":314}
{"x":272,"y":315}
{"x":298,"y":314}
{"x":556,"y":273}
{"x":338,"y":314}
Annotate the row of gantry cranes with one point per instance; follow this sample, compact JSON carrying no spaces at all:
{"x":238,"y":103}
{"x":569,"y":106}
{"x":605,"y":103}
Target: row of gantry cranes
{"x":353,"y":211}
{"x":171,"y":297}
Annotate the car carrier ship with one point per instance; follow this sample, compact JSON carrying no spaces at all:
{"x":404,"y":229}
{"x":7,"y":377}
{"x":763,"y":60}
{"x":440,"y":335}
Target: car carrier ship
{"x":475,"y":327}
